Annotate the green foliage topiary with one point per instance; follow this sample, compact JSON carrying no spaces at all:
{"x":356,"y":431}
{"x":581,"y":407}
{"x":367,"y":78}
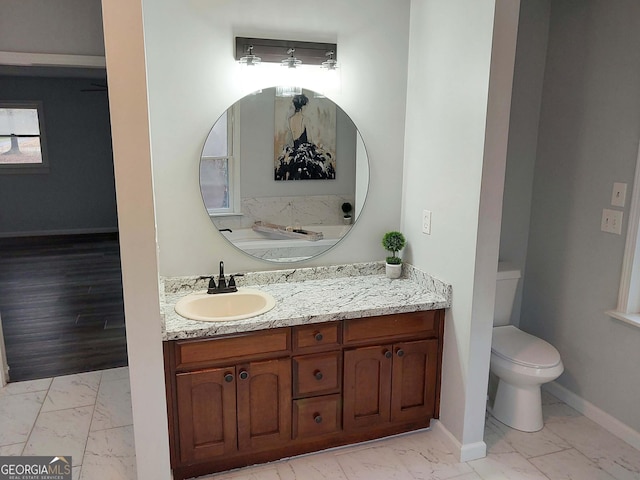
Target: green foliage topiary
{"x":394,"y":242}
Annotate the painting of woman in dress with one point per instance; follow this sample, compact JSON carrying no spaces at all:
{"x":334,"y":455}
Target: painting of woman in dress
{"x":305,"y":139}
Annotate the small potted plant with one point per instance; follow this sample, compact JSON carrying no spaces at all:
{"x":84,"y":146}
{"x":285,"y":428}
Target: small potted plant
{"x":346,"y":209}
{"x":393,"y":242}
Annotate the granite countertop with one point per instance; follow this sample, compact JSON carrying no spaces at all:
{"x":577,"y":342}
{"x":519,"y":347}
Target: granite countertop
{"x":311,"y":295}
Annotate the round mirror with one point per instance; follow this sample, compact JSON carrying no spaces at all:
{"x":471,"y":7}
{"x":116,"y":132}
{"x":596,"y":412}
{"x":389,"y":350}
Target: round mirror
{"x":284,"y":174}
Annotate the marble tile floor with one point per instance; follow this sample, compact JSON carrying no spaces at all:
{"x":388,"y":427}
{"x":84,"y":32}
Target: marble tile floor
{"x":86,"y":416}
{"x":89,"y":416}
{"x":569,"y":447}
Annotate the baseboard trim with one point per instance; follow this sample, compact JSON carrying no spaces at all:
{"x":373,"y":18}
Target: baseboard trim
{"x":589,"y":410}
{"x":72,"y":231}
{"x":465,"y":453}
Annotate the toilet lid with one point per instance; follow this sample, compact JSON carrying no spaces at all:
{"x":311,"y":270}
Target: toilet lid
{"x":519,"y":347}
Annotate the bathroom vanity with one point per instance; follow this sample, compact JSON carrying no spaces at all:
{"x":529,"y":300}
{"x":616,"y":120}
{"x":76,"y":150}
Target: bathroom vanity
{"x":340,"y":359}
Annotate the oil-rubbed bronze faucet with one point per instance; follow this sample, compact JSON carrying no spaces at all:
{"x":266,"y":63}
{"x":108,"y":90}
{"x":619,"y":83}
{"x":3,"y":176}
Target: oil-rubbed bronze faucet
{"x":222,"y":286}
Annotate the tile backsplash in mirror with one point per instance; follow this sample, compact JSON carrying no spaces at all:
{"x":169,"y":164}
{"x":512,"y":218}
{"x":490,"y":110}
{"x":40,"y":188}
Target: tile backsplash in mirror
{"x":293,"y":210}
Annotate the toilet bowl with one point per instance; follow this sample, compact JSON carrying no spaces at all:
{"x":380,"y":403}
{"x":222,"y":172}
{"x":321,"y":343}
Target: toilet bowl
{"x":522,"y":362}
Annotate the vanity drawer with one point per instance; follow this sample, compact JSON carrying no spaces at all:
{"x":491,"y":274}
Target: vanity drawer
{"x":199,"y":353}
{"x":317,"y":416}
{"x":391,"y":327}
{"x":317,"y":374}
{"x":316,"y":337}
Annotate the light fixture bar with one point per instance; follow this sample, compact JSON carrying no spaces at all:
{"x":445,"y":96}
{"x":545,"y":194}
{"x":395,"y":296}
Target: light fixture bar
{"x":274,"y":51}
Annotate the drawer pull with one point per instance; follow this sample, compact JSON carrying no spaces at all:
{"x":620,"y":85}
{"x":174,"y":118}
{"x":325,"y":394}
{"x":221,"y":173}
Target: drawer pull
{"x":228,"y":377}
{"x":387,"y":354}
{"x":318,"y":375}
{"x":244,"y":375}
{"x":317,"y":418}
{"x":318,"y":336}
{"x":400,"y":352}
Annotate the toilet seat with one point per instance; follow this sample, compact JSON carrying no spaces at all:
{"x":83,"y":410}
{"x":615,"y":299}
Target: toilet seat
{"x":514,"y":345}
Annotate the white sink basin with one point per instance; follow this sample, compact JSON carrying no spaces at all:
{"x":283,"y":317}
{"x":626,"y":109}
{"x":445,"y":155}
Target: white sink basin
{"x":219,"y":307}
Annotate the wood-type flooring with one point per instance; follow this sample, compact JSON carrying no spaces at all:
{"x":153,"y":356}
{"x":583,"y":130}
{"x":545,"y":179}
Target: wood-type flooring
{"x":61,"y":305}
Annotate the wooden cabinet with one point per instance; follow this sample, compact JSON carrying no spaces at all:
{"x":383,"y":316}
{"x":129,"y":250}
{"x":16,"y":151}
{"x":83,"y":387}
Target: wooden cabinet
{"x":413,"y":380}
{"x":317,"y":416}
{"x":206,"y":409}
{"x":317,"y":374}
{"x":255,"y":397}
{"x":264,"y":404}
{"x":240,"y":408}
{"x":389,"y":383}
{"x":367,"y":386}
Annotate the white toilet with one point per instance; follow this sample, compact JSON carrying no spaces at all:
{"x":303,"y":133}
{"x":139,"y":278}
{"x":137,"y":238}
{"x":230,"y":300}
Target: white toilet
{"x":521,"y":361}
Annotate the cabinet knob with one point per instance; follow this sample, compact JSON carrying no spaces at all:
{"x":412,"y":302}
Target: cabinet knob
{"x":244,"y":375}
{"x":317,"y":418}
{"x":400,"y":352}
{"x":228,"y":377}
{"x":387,"y":354}
{"x":318,"y":375}
{"x":318,"y":336}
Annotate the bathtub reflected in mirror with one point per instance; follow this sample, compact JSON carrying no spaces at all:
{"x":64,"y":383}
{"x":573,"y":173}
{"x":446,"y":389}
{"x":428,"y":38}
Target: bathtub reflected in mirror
{"x":296,"y":163}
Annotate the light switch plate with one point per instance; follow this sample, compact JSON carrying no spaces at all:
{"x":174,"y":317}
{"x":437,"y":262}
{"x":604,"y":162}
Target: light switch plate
{"x":619,"y":194}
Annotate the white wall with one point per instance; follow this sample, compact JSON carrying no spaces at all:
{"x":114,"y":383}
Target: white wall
{"x":455,"y":149}
{"x":71,"y":27}
{"x":589,"y":133}
{"x":533,"y":31}
{"x":193,"y":78}
{"x":134,"y":189}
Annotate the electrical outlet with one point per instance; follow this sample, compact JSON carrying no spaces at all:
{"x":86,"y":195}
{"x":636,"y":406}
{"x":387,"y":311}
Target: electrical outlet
{"x":426,"y":222}
{"x":611,"y":221}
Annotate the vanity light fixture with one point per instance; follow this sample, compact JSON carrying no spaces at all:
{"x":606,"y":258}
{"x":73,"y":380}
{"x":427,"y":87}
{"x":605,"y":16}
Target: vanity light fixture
{"x":291,"y":61}
{"x":287,"y":91}
{"x":331,"y":63}
{"x":273,"y":51}
{"x":250,"y":60}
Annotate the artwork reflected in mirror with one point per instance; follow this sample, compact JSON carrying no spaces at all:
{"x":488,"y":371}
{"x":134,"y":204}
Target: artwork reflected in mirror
{"x":305,"y":138}
{"x":265,"y":214}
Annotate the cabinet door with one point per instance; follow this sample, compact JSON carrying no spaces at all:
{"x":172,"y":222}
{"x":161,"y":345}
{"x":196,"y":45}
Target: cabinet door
{"x":264,"y":404}
{"x":367,"y":386}
{"x":413,"y":389}
{"x":206,"y":403}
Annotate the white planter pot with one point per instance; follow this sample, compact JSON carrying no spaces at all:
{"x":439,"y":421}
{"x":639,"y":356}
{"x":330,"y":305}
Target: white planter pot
{"x":347,"y":220}
{"x":393,"y":271}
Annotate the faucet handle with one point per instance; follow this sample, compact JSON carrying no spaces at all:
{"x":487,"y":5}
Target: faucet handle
{"x":232,"y":279}
{"x":212,"y":282}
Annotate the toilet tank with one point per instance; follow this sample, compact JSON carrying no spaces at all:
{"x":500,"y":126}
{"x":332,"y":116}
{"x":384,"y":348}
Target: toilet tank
{"x":506,"y":285}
